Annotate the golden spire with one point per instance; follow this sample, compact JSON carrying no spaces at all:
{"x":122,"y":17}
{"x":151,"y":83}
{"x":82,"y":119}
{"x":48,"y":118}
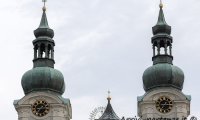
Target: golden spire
{"x":161,"y":5}
{"x":44,"y":7}
{"x":109,"y":98}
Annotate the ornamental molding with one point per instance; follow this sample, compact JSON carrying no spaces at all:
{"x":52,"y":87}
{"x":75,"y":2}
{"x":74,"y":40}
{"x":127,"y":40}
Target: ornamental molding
{"x":172,"y":94}
{"x":32,"y":97}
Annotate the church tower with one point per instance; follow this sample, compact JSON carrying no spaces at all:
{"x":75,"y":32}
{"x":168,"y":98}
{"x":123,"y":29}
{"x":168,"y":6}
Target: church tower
{"x":163,"y":82}
{"x":43,"y":85}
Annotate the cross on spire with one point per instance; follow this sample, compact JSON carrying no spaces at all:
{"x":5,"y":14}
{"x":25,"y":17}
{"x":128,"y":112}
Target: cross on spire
{"x":44,"y":7}
{"x":109,"y":98}
{"x":44,"y":1}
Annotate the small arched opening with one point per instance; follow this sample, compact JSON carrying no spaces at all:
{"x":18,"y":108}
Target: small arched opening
{"x":49,"y":51}
{"x":162,"y":47}
{"x":155,"y":49}
{"x":35,"y":51}
{"x":42,"y":50}
{"x":169,"y":48}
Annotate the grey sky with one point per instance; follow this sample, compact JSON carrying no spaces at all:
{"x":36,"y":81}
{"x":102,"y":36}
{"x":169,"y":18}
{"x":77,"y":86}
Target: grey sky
{"x":101,"y":45}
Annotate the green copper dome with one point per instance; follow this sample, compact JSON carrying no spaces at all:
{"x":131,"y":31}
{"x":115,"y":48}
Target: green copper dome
{"x":43,"y":79}
{"x":163,"y":75}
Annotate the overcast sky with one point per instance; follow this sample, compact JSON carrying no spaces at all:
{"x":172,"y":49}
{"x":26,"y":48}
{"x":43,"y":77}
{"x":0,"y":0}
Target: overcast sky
{"x":101,"y":45}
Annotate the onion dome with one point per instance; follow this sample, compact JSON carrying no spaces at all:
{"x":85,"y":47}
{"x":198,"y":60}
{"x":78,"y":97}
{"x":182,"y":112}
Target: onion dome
{"x":163,"y":73}
{"x":43,"y":79}
{"x":43,"y":76}
{"x":109,"y":113}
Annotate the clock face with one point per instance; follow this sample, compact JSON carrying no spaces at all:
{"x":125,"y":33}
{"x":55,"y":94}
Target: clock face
{"x":40,"y":108}
{"x":164,"y":104}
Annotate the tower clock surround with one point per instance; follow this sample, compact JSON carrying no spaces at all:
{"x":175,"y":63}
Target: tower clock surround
{"x":164,"y":104}
{"x":147,"y":104}
{"x":59,"y":108}
{"x":40,"y":108}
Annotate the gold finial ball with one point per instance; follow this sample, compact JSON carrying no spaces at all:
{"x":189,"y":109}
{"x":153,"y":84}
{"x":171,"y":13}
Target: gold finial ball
{"x":109,"y":98}
{"x":44,"y":8}
{"x":161,"y":5}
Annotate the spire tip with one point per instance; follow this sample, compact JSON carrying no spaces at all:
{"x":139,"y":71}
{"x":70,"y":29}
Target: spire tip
{"x":161,"y":5}
{"x":44,"y":8}
{"x":109,"y":98}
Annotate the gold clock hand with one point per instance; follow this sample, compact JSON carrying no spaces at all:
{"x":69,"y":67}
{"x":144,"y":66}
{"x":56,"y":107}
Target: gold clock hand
{"x":40,"y":108}
{"x":163,"y":105}
{"x":166,"y":103}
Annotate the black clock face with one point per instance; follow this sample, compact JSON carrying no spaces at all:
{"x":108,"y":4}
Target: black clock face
{"x":164,"y":104}
{"x":40,"y":108}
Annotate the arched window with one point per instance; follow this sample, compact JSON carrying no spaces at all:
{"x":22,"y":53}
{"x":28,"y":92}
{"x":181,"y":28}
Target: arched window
{"x":49,"y":51}
{"x":36,"y":51}
{"x":162,"y":47}
{"x":169,"y":48}
{"x":156,"y":48}
{"x":42,"y":50}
